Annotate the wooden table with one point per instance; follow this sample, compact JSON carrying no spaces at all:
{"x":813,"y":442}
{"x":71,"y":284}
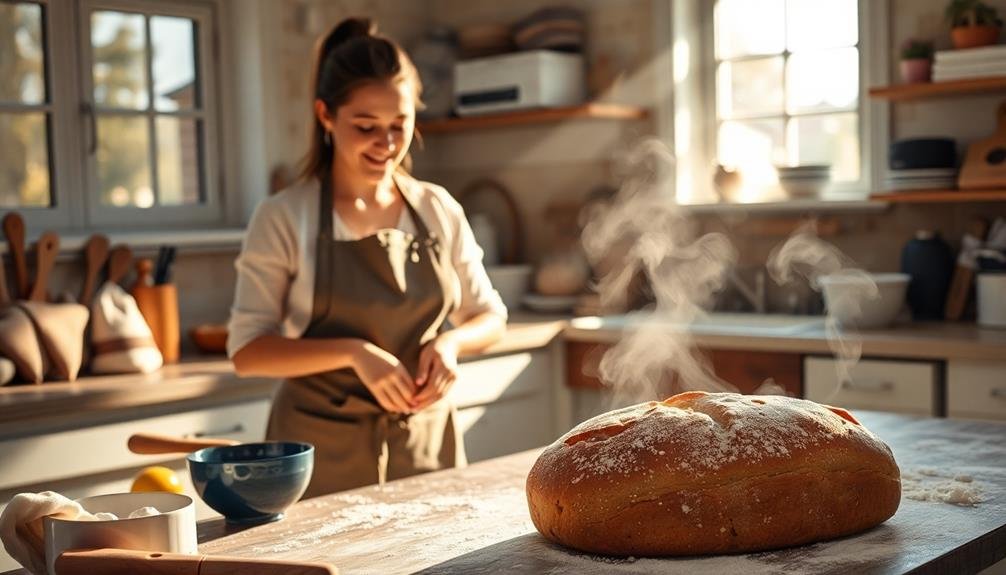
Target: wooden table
{"x":475,"y":520}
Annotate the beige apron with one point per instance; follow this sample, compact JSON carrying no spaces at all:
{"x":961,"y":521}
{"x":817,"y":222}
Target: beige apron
{"x":389,"y":288}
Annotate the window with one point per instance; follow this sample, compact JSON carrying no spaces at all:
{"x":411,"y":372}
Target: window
{"x":134,"y":142}
{"x":787,"y":91}
{"x":25,"y":108}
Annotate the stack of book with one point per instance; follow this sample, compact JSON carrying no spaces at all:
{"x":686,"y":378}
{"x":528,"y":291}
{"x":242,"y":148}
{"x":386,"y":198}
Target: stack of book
{"x":971,"y":63}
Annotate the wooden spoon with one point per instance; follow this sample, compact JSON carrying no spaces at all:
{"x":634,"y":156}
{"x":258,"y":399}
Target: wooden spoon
{"x":95,"y":256}
{"x":149,"y":443}
{"x":46,"y":250}
{"x":4,"y":294}
{"x":13,"y":229}
{"x":130,"y":562}
{"x":119,"y":262}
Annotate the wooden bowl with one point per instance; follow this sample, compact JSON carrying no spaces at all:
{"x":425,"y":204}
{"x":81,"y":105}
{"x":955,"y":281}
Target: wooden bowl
{"x":210,"y":338}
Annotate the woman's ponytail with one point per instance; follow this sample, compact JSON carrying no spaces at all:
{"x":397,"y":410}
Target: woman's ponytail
{"x":350,"y":55}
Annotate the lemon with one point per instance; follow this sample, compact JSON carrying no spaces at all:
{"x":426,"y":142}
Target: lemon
{"x":156,"y":478}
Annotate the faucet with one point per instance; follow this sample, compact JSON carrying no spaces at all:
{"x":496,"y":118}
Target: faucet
{"x":754,"y":296}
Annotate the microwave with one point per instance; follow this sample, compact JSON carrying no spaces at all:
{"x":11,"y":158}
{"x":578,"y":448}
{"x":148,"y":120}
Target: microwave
{"x":519,"y":81}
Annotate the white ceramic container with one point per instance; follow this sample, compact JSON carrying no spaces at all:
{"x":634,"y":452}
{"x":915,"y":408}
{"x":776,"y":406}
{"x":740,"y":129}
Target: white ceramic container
{"x":992,"y":299}
{"x":852,"y":300}
{"x":173,"y":531}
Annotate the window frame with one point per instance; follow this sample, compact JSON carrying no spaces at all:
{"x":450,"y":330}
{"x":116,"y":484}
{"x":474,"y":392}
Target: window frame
{"x":873,"y":117}
{"x":210,"y":210}
{"x":74,"y":201}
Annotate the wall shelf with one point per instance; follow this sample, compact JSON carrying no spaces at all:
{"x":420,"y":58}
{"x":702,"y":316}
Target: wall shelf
{"x":939,"y":89}
{"x":525,"y":117}
{"x":941,"y":196}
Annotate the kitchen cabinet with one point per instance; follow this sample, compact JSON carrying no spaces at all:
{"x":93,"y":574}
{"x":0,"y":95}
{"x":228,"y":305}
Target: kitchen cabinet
{"x":95,"y":460}
{"x":976,"y":389}
{"x":505,"y":403}
{"x":744,"y":369}
{"x":911,"y":387}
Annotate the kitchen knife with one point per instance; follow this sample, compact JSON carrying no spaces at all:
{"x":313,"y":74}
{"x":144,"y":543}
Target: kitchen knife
{"x":131,"y":562}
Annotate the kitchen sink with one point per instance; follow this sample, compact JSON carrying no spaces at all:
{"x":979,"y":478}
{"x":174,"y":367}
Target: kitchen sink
{"x":729,"y":323}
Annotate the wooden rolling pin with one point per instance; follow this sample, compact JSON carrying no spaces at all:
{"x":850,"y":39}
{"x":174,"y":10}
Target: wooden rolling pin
{"x":149,"y":443}
{"x":129,"y":562}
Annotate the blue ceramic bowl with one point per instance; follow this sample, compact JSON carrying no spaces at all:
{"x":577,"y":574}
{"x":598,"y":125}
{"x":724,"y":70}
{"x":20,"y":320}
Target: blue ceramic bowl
{"x":252,"y":482}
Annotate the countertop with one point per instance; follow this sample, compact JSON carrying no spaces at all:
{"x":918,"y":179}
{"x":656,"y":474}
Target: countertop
{"x":475,"y":520}
{"x":198,"y":382}
{"x":921,"y":340}
{"x":210,"y":380}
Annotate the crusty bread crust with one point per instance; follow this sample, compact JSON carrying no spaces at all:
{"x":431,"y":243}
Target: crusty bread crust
{"x":704,"y":473}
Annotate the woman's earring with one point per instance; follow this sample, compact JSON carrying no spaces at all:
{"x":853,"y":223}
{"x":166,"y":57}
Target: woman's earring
{"x":328,"y":138}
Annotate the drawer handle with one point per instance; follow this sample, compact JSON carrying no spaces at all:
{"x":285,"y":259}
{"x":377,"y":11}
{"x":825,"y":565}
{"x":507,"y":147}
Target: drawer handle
{"x":868,"y":386}
{"x":998,"y":392}
{"x":236,"y":428}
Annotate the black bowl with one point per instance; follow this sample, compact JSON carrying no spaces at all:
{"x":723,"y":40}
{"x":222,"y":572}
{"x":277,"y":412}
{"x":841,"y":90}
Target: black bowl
{"x":252,"y":482}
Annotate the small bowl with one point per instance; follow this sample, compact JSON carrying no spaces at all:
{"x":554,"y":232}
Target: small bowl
{"x":173,"y":531}
{"x":252,"y":482}
{"x":210,"y":338}
{"x":851,"y":299}
{"x":511,"y":281}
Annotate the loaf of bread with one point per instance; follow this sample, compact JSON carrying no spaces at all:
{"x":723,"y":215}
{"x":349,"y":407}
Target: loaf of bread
{"x":704,"y":473}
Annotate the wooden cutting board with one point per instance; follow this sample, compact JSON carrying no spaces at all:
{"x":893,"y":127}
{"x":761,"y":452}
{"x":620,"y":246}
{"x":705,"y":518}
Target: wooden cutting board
{"x":475,"y":520}
{"x":985,"y":163}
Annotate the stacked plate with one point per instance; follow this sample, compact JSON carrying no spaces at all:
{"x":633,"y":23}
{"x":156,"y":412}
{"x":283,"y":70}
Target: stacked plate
{"x":921,"y":179}
{"x":804,"y":181}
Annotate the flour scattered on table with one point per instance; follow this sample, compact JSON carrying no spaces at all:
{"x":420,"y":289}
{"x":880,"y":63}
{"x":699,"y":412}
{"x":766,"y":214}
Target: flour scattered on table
{"x":927,"y":484}
{"x":362,"y":513}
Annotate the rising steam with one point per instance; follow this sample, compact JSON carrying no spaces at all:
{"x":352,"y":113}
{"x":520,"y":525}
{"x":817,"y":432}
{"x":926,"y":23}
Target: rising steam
{"x":643,"y":232}
{"x":806,"y":255}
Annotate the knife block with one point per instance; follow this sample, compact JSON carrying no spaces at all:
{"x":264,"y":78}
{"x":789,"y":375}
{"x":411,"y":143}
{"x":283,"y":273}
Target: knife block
{"x":159,"y":306}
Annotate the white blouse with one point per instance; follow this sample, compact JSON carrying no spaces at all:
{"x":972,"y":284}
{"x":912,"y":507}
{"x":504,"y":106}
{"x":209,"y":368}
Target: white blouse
{"x":275,"y":270}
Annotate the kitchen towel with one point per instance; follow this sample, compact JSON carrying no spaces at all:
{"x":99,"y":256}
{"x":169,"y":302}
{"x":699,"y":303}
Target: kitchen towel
{"x":120,"y":337}
{"x":21,"y":525}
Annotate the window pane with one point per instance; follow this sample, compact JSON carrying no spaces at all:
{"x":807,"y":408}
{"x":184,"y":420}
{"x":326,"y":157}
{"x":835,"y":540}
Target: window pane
{"x":756,"y":142}
{"x":24,"y":163}
{"x":826,"y":139}
{"x":750,"y":88}
{"x":123,"y":158}
{"x":822,"y":81}
{"x":746,"y":27}
{"x":119,"y":44}
{"x":815,"y":24}
{"x":173,"y":44}
{"x":178,"y":165}
{"x":22,"y":60}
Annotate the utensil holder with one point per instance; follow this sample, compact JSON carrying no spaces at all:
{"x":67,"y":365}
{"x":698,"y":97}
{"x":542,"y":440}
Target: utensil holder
{"x":159,"y":306}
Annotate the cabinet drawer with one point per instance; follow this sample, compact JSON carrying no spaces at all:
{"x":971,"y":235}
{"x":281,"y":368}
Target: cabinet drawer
{"x":976,"y":389}
{"x":493,"y":430}
{"x":90,"y":450}
{"x":486,"y":380}
{"x":883,"y":385}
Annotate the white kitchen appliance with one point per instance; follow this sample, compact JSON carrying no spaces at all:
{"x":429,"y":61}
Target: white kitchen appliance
{"x":533,"y":79}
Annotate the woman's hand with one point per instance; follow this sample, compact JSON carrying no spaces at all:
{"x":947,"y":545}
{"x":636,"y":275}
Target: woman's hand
{"x":385,"y":377}
{"x":437,"y":372}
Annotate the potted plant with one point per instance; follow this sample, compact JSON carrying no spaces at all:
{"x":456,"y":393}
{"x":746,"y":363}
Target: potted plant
{"x":916,"y":61}
{"x":973,"y":23}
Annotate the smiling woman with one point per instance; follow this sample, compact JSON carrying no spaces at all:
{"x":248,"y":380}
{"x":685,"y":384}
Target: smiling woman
{"x":348,"y":280}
